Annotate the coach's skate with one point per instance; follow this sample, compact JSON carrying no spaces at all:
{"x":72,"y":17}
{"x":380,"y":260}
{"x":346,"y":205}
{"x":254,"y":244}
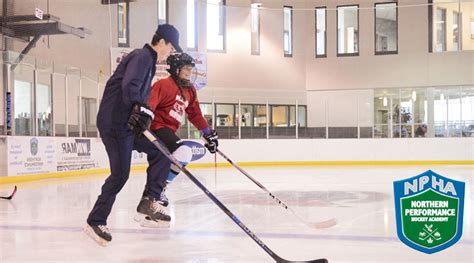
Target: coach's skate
{"x":152,"y":213}
{"x":99,"y":234}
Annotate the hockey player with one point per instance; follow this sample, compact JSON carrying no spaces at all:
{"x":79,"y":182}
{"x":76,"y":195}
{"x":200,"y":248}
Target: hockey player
{"x":170,"y":99}
{"x":123,"y":113}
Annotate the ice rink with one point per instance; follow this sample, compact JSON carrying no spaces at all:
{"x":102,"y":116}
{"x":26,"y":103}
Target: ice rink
{"x":43,"y":223}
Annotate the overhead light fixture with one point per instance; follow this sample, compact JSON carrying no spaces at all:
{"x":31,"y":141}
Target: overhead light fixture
{"x":256,"y":3}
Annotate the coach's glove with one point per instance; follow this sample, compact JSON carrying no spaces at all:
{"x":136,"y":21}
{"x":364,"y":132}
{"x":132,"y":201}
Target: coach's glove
{"x":211,"y":140}
{"x":140,"y":118}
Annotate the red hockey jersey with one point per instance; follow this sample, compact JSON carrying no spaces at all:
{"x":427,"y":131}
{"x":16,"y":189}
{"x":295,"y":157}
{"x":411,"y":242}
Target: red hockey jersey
{"x":170,"y":108}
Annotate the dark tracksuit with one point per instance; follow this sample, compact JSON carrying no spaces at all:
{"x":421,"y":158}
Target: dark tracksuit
{"x":130,"y":84}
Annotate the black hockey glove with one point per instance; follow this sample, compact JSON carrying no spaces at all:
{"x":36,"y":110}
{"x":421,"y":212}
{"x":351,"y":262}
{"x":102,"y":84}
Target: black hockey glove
{"x":140,"y":118}
{"x":211,"y":141}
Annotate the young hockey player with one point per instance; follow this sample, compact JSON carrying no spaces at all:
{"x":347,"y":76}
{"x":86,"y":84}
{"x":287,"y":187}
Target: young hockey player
{"x":171,"y":99}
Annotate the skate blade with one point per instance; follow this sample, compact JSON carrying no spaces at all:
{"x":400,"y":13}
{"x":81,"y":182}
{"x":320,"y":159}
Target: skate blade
{"x":144,"y":221}
{"x":90,"y":233}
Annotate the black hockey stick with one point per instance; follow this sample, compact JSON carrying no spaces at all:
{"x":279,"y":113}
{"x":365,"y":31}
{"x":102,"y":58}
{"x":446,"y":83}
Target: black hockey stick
{"x":10,"y":196}
{"x":322,"y":224}
{"x":165,"y":151}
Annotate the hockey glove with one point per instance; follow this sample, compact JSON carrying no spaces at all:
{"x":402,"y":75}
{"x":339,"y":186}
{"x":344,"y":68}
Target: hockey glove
{"x":140,"y":118}
{"x":211,"y":141}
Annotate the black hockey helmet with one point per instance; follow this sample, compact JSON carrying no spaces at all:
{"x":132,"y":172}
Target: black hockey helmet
{"x":177,"y":61}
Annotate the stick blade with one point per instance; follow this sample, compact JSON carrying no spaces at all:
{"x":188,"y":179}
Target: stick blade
{"x":321,"y":260}
{"x":11,"y":196}
{"x":324,"y":224}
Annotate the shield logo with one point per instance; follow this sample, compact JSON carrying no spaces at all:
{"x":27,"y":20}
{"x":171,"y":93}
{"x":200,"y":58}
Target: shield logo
{"x":429,"y":211}
{"x":34,"y":146}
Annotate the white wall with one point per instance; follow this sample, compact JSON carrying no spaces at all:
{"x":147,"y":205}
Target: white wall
{"x":346,"y":150}
{"x":341,"y":109}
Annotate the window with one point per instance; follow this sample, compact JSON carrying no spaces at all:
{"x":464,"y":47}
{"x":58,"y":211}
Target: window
{"x":472,"y":29}
{"x":255,"y":30}
{"x":192,"y":24}
{"x":123,"y":23}
{"x":348,"y":30}
{"x":246,"y":115}
{"x":260,"y":118}
{"x":207,"y":112}
{"x":43,"y":110}
{"x":302,"y":116}
{"x":440,"y":30}
{"x":225,"y":115}
{"x":279,"y":116}
{"x":457,"y":31}
{"x":23,"y":112}
{"x":288,"y":31}
{"x":216,"y":25}
{"x":320,"y":26}
{"x":386,"y":28}
{"x":162,"y":12}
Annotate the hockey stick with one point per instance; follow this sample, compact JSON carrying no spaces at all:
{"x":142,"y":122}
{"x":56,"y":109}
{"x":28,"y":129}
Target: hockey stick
{"x":322,"y":224}
{"x":165,"y":151}
{"x":11,"y":196}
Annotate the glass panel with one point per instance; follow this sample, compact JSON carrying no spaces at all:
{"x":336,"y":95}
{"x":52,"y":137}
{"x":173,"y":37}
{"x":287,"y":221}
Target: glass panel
{"x":384,"y":115}
{"x":468,"y":111}
{"x":440,"y":112}
{"x":23,"y":76}
{"x":226,"y":121}
{"x":182,"y":131}
{"x":59,"y":102}
{"x":224,"y":115}
{"x":23,"y":93}
{"x":302,"y":116}
{"x":43,"y":108}
{"x":454,"y":113}
{"x":279,"y":127}
{"x":191,"y":24}
{"x":320,"y":31}
{"x":279,"y":116}
{"x":215,"y":24}
{"x":206,"y":110}
{"x":44,"y":99}
{"x":406,"y":113}
{"x":440,"y":29}
{"x":366,"y":113}
{"x":89,"y":112}
{"x":386,"y":27}
{"x":287,"y":31}
{"x":247,"y":115}
{"x":89,"y":106}
{"x":250,"y":128}
{"x":255,"y":29}
{"x":457,"y":33}
{"x":467,"y":25}
{"x":420,"y":112}
{"x":73,"y":78}
{"x":292,"y":116}
{"x":162,"y":12}
{"x":348,"y":30}
{"x":122,"y":23}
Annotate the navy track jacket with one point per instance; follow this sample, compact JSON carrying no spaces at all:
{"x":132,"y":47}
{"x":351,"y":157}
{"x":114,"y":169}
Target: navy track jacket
{"x":130,"y":84}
